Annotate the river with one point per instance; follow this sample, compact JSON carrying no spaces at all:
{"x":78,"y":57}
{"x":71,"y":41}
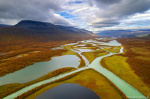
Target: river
{"x":126,"y":88}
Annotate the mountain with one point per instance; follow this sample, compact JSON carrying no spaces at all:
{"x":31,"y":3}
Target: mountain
{"x":124,"y":33}
{"x":4,"y":25}
{"x":28,"y":29}
{"x":36,"y":26}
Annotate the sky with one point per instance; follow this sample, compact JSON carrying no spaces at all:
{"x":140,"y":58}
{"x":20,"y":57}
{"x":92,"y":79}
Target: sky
{"x":93,"y":15}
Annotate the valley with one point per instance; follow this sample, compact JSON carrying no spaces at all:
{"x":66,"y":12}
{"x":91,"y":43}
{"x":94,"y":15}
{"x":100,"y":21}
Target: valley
{"x":91,"y":53}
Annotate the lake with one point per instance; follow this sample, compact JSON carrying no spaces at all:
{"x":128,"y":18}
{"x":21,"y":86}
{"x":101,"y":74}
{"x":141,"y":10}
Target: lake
{"x":72,"y":91}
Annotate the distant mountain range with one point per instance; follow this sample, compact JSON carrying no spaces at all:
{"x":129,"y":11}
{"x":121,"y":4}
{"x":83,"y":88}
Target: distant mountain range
{"x":3,"y":25}
{"x":124,"y":33}
{"x":41,"y":30}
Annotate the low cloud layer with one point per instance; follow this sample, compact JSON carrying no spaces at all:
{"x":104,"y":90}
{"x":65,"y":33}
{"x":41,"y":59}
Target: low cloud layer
{"x":95,"y":15}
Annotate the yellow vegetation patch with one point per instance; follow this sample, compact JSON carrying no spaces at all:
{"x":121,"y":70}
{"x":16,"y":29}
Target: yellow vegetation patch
{"x":118,"y":65}
{"x":92,"y":55}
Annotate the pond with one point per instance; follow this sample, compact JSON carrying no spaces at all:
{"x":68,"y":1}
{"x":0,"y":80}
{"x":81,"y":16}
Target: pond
{"x":72,"y":91}
{"x":39,"y":69}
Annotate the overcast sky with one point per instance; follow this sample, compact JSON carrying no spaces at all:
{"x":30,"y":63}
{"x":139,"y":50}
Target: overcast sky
{"x":94,"y":15}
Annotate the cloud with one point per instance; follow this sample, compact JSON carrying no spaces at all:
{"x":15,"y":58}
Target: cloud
{"x":102,"y":2}
{"x":31,"y":10}
{"x":103,"y":22}
{"x":94,"y":15}
{"x":116,"y":11}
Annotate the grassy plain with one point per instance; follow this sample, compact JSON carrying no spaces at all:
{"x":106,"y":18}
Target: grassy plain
{"x":118,"y":65}
{"x":90,"y":79}
{"x":138,"y":52}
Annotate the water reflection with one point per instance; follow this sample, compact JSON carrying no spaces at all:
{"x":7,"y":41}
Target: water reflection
{"x":68,"y":91}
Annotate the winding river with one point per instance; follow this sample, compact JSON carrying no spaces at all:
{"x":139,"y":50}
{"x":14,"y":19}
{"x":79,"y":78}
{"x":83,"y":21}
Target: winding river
{"x":127,"y":89}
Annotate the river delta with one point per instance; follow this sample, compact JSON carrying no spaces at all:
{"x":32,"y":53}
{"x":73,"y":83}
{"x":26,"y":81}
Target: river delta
{"x":92,"y":51}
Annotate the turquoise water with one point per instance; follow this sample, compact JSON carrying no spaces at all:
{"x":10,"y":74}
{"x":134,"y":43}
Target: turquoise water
{"x":126,"y":88}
